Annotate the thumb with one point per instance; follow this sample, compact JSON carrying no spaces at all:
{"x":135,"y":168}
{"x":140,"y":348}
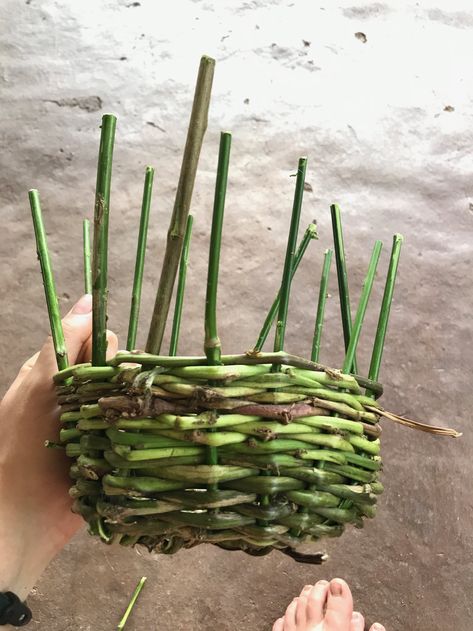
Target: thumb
{"x":77,"y":327}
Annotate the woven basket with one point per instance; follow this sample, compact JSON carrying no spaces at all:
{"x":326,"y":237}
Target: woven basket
{"x":244,"y":458}
{"x":249,"y":452}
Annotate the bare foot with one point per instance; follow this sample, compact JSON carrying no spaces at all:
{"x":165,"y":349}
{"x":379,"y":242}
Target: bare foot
{"x":323,"y":607}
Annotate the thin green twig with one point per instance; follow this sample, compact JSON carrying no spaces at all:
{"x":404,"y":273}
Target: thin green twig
{"x":48,"y":282}
{"x":212,"y":342}
{"x":360,"y":313}
{"x":140,"y":259}
{"x":319,"y":320}
{"x":100,"y":256}
{"x":289,"y":260}
{"x":172,"y":254}
{"x":129,"y":609}
{"x":181,"y":285}
{"x":378,"y":347}
{"x":342,"y":278}
{"x":87,"y":256}
{"x":310,"y":233}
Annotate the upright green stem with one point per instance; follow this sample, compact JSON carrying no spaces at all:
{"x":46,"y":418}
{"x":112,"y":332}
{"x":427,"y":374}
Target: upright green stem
{"x":385,"y":308}
{"x":319,"y":320}
{"x":195,"y":137}
{"x":140,"y":259}
{"x":133,"y":600}
{"x":87,"y":256}
{"x":181,"y":285}
{"x":289,"y":260}
{"x":310,"y":233}
{"x":100,"y":256}
{"x":48,"y":281}
{"x":212,"y":342}
{"x":342,"y":278}
{"x":360,"y":313}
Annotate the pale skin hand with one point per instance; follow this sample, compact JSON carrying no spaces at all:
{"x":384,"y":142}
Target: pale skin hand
{"x":35,"y":509}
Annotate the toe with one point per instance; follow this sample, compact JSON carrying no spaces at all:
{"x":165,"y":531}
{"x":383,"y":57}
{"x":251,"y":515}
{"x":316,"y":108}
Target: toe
{"x":377,"y":627}
{"x":339,"y":606}
{"x":279,"y":625}
{"x":316,"y":602}
{"x":290,"y":616}
{"x":301,"y":612}
{"x":306,"y":590}
{"x":357,"y":622}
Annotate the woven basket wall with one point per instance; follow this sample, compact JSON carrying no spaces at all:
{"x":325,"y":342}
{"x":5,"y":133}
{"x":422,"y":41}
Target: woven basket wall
{"x":297,"y":455}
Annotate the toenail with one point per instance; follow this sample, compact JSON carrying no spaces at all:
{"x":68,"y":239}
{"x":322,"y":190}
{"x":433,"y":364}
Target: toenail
{"x":378,"y":627}
{"x":322,"y":583}
{"x":336,"y":589}
{"x":357,"y":615}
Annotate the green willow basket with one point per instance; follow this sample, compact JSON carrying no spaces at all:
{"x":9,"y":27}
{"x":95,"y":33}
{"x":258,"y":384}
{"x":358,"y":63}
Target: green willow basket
{"x":252,"y":452}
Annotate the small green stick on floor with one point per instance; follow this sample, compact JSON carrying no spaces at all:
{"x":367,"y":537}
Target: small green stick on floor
{"x":310,"y":233}
{"x":48,"y":282}
{"x":342,"y":278}
{"x":185,"y":187}
{"x":385,"y":309}
{"x":319,"y":320}
{"x":140,"y":259}
{"x":289,"y":260}
{"x":100,"y":252}
{"x":181,"y":285}
{"x":87,"y":256}
{"x":129,"y":609}
{"x":360,"y":312}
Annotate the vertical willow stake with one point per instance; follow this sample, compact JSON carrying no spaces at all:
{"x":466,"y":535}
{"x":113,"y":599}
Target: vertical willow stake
{"x":140,"y":259}
{"x":212,"y":343}
{"x":100,"y":256}
{"x":310,"y":233}
{"x":385,"y":309}
{"x":87,"y":260}
{"x":342,"y":278}
{"x":181,"y":286}
{"x":360,"y":312}
{"x":319,"y":320}
{"x":289,"y":260}
{"x":195,"y":137}
{"x":48,"y":282}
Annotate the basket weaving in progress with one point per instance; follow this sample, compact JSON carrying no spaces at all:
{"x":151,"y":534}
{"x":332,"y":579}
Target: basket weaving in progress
{"x":252,"y":452}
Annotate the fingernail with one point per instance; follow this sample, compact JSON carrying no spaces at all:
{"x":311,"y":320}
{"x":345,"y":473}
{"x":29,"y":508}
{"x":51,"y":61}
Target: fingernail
{"x":336,"y":588}
{"x":83,"y":306}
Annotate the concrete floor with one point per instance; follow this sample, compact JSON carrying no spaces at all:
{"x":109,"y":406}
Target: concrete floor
{"x":387,"y":126}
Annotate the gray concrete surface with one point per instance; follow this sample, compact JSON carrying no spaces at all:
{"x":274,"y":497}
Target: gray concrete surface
{"x":387,"y":126}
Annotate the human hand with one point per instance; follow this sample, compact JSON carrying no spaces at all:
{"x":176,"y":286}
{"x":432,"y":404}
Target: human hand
{"x":35,"y":508}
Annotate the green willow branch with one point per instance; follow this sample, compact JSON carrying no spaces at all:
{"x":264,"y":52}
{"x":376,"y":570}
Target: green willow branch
{"x":100,"y":256}
{"x":342,"y":278}
{"x":378,"y":347}
{"x":48,"y":281}
{"x":87,"y":256}
{"x":172,"y":254}
{"x":310,"y":233}
{"x":140,"y":259}
{"x":212,"y":342}
{"x":360,"y":313}
{"x":181,"y":286}
{"x":289,"y":260}
{"x":319,"y":320}
{"x":132,"y":603}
